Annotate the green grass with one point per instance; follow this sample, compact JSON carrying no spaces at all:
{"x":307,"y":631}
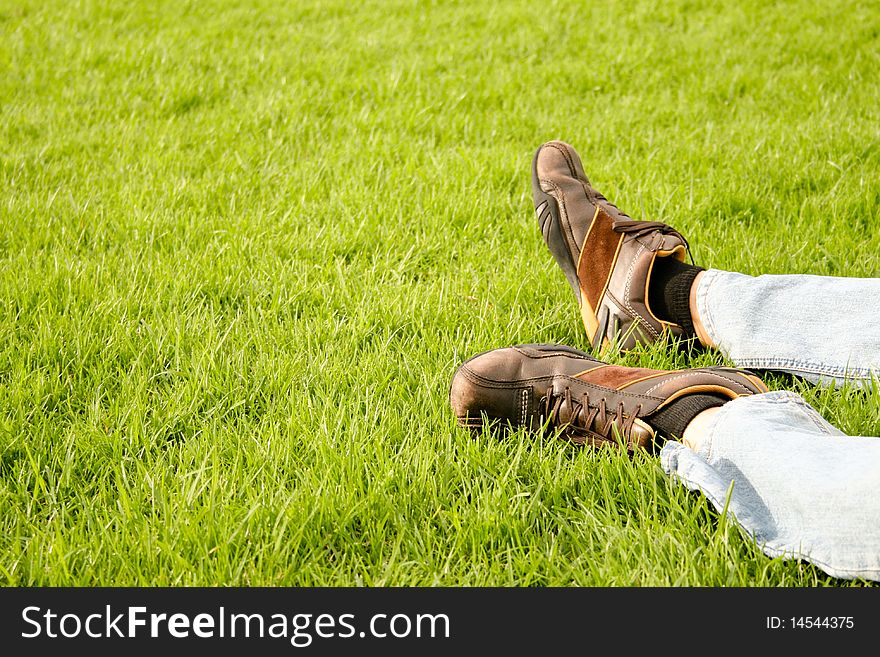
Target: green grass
{"x":245,"y":244}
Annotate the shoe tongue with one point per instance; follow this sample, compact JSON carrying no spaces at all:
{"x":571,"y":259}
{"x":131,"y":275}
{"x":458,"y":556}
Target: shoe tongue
{"x":615,"y":376}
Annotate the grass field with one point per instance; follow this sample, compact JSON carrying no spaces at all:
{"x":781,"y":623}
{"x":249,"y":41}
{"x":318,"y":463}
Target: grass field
{"x":245,"y":244}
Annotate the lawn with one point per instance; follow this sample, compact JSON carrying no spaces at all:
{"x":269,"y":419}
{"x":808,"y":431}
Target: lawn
{"x":245,"y":244}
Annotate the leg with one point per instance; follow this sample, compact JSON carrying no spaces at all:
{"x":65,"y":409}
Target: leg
{"x":633,"y":286}
{"x":801,"y":488}
{"x":821,"y":328}
{"x":554,"y":388}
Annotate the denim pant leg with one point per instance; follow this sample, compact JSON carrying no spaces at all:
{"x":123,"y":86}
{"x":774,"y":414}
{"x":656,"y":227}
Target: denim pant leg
{"x":801,"y":488}
{"x":822,"y":328}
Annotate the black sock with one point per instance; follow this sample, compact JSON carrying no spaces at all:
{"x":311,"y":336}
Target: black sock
{"x":669,"y":292}
{"x":670,"y":421}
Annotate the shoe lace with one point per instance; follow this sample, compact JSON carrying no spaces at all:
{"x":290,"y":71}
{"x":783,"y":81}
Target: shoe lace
{"x":564,"y":410}
{"x":640,"y":228}
{"x":626,"y":224}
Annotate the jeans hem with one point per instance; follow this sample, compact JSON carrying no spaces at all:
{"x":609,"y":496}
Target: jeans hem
{"x":807,"y":367}
{"x":771,"y":548}
{"x":817,"y":371}
{"x":706,"y":281}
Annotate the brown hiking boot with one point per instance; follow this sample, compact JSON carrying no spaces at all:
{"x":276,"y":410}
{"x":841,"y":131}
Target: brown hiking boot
{"x":607,"y":256}
{"x":552,"y":387}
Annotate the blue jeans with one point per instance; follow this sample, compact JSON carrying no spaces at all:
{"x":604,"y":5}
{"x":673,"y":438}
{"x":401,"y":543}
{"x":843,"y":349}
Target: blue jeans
{"x":821,"y":328}
{"x":800,"y":487}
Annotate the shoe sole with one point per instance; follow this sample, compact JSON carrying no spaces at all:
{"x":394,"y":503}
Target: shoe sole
{"x":550,"y":224}
{"x":547,"y":211}
{"x":477,"y":425}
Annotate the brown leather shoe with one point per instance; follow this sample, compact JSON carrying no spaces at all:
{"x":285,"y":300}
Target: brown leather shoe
{"x":607,"y":256}
{"x":552,"y":387}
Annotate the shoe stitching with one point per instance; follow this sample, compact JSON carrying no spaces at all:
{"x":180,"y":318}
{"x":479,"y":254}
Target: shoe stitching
{"x":565,"y":154}
{"x":549,"y":379}
{"x":686,"y":374}
{"x":476,"y":378}
{"x":620,"y":310}
{"x":578,"y":382}
{"x":589,"y":192}
{"x":565,"y":224}
{"x":629,"y":274}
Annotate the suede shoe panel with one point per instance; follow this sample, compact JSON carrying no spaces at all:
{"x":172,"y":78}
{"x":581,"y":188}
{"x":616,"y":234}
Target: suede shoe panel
{"x":596,"y":259}
{"x":616,"y":377}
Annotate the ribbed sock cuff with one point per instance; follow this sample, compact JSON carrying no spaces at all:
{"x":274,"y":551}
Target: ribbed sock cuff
{"x":671,"y":421}
{"x":677,"y":295}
